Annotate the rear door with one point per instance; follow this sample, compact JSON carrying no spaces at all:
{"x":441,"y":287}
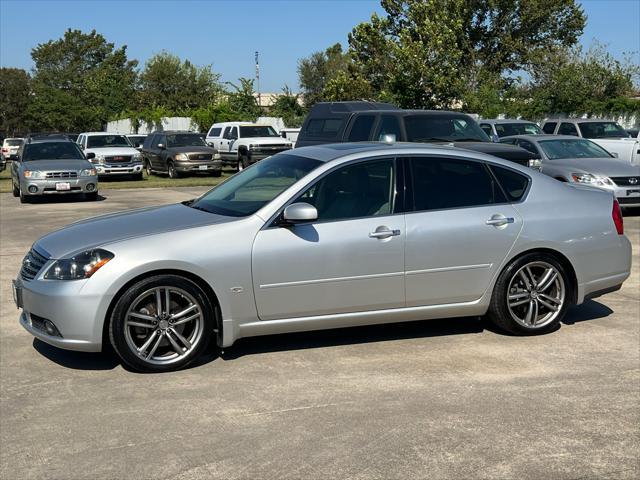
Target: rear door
{"x":460,"y":229}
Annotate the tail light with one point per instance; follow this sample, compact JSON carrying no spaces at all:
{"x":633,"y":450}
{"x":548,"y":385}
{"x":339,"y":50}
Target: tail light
{"x":616,"y":214}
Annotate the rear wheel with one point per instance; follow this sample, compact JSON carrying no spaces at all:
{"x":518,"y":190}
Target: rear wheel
{"x":161,"y":323}
{"x":531,"y":295}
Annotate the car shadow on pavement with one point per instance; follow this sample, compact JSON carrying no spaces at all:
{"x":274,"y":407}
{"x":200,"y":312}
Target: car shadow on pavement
{"x":589,"y":310}
{"x":106,"y":360}
{"x":73,"y":198}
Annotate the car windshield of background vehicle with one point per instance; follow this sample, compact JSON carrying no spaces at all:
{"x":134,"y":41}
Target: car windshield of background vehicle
{"x":248,"y":191}
{"x":52,"y":151}
{"x":602,"y":130}
{"x":185,"y":140}
{"x":13,"y":143}
{"x":107,"y":141}
{"x":559,"y":149}
{"x":508,"y":129}
{"x":258,"y":131}
{"x":440,"y":128}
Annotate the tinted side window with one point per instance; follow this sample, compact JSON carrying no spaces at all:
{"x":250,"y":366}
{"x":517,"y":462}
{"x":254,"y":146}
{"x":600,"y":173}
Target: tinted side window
{"x":549,"y":127}
{"x":361,"y":128}
{"x":365,"y":189}
{"x":486,"y":128}
{"x":567,"y":129}
{"x":148,"y":142}
{"x":528,"y":146}
{"x":327,"y":128}
{"x":389,"y":125}
{"x":439,"y":183}
{"x":160,"y":139}
{"x":513,"y":183}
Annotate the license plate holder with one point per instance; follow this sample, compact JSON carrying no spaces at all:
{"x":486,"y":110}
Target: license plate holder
{"x":63,"y":186}
{"x":633,"y":193}
{"x":17,"y":294}
{"x":202,"y":167}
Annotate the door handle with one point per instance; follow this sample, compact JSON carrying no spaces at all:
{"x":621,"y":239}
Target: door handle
{"x":499,"y":220}
{"x":383,"y":232}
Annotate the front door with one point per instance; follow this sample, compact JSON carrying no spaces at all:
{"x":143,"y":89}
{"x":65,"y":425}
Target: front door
{"x":460,"y":231}
{"x":351,"y":259}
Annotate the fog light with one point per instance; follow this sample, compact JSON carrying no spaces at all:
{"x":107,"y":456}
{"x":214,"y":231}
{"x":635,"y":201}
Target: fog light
{"x":33,"y":189}
{"x":90,"y":187}
{"x":51,"y":329}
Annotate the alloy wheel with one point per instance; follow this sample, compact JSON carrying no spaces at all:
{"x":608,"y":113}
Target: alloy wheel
{"x":536,"y":295}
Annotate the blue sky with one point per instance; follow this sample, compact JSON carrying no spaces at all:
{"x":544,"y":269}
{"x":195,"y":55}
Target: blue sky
{"x":227,"y":33}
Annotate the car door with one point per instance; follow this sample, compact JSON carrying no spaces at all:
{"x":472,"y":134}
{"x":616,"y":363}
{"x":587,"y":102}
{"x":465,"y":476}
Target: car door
{"x":350,"y":260}
{"x":159,"y":156}
{"x":226,"y":145}
{"x":459,"y":231}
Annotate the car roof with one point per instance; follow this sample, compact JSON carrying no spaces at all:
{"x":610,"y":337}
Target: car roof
{"x":174,"y":131}
{"x":48,"y":140}
{"x":537,"y":138}
{"x":579,"y":120}
{"x":497,"y":121}
{"x":102,"y":133}
{"x":327,"y":108}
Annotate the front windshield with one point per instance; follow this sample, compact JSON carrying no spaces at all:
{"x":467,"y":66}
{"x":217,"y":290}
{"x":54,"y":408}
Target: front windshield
{"x":185,"y":140}
{"x":257,"y":131}
{"x":106,"y":141}
{"x":602,"y":130}
{"x":51,"y":151}
{"x":248,"y":191}
{"x":508,"y":129}
{"x":443,"y":128}
{"x":570,"y":148}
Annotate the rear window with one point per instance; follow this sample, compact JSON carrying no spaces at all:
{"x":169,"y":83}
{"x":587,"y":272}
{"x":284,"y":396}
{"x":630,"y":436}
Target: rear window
{"x":328,"y":128}
{"x":513,"y":183}
{"x":215,"y":132}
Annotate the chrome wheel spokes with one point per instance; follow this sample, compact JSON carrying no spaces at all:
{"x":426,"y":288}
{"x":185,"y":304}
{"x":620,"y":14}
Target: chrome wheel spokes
{"x":163,"y":324}
{"x":536,"y":295}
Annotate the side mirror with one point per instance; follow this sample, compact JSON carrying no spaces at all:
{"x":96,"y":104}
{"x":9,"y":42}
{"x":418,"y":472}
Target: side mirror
{"x":91,"y":155}
{"x":388,"y":138}
{"x":300,"y":212}
{"x":161,"y":146}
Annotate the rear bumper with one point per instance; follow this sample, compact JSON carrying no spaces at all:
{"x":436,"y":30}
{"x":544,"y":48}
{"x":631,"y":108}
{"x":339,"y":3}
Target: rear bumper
{"x":619,"y":262}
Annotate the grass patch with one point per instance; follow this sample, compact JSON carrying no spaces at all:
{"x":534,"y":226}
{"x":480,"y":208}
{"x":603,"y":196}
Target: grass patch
{"x":153,"y":181}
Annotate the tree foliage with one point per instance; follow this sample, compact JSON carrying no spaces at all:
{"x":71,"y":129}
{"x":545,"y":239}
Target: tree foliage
{"x":288,"y":107}
{"x":80,"y":81}
{"x":317,"y":70}
{"x":14,"y":100}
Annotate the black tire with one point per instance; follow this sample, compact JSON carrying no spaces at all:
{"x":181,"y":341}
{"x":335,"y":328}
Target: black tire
{"x":91,"y":196}
{"x":147,"y":168}
{"x":137,"y":176}
{"x":117,"y":328}
{"x":171,"y":170}
{"x":24,"y":198}
{"x":500,"y":313}
{"x":216,"y":173}
{"x":16,"y":190}
{"x":243,"y":162}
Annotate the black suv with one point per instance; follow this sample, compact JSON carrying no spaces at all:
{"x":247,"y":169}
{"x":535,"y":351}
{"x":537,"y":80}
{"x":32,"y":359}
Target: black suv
{"x":176,"y":153}
{"x":334,"y":122}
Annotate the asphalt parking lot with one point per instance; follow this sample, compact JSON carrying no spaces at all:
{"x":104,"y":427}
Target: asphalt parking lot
{"x":433,"y":399}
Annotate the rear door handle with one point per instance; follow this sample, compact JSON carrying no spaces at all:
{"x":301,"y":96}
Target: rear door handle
{"x":499,"y":220}
{"x":383,"y":232}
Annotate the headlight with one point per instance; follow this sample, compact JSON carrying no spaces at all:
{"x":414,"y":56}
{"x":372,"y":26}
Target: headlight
{"x":80,"y":266}
{"x":97,"y":159}
{"x":137,"y":157}
{"x":33,"y":174}
{"x":535,"y":163}
{"x":88,"y":172}
{"x":590,"y":179}
{"x":182,"y":156}
{"x":252,"y":146}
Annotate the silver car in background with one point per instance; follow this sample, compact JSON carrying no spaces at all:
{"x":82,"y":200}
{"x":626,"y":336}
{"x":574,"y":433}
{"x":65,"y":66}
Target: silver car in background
{"x":52,"y":166}
{"x":325,"y":237}
{"x":578,"y":160}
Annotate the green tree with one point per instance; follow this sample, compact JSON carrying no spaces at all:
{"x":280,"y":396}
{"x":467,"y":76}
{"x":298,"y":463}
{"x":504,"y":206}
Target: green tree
{"x":80,"y":81}
{"x":315,"y":71}
{"x":242,"y":101}
{"x":14,"y":100}
{"x":177,"y":85}
{"x":288,"y":107}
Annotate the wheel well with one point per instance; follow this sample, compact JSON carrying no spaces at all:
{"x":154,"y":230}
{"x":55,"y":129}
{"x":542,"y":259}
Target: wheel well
{"x":242,"y":149}
{"x":211,"y":295}
{"x":564,"y":261}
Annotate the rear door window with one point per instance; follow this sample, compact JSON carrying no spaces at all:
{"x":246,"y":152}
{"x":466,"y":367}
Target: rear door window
{"x":568,"y":129}
{"x":327,"y":128}
{"x":361,"y":128}
{"x":513,"y":184}
{"x":549,"y":127}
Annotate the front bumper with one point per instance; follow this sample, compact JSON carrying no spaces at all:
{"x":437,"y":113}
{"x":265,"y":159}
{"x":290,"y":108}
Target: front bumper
{"x":200,"y":166}
{"x":259,"y":154}
{"x":48,"y":186}
{"x":72,"y":311}
{"x":112,"y":170}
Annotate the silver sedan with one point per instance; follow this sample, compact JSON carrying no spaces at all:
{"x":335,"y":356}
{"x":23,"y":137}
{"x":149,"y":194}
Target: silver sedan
{"x":326,"y":237}
{"x":578,"y":160}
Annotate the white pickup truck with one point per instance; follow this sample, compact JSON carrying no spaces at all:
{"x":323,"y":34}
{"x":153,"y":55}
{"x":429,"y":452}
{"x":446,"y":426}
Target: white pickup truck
{"x":609,"y":135}
{"x":240,"y":144}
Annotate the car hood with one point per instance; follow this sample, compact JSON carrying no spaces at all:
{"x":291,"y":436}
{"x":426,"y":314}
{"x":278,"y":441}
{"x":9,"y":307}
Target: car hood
{"x":609,"y":167}
{"x":110,"y":151}
{"x":104,"y":229}
{"x":191,"y":149}
{"x":55,"y":165}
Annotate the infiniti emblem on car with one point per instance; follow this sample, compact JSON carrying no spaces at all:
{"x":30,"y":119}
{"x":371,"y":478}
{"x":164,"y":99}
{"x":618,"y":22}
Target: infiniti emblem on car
{"x":633,"y":181}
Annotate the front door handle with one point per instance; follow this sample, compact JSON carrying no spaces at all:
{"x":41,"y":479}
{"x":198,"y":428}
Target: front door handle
{"x":383,"y":232}
{"x":499,"y":220}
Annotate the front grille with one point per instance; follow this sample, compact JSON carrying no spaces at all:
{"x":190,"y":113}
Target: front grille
{"x":627,"y":181}
{"x":31,"y":265}
{"x":62,"y":175}
{"x":200,"y":156}
{"x":118,"y":158}
{"x":278,"y":146}
{"x":71,"y":189}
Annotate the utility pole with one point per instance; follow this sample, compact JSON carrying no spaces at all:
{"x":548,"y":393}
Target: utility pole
{"x":258,"y":78}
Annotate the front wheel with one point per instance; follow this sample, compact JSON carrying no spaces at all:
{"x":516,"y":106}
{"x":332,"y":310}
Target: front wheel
{"x":161,"y":323}
{"x":243,"y":162}
{"x":531,"y":295}
{"x":173,"y":173}
{"x":16,"y":190}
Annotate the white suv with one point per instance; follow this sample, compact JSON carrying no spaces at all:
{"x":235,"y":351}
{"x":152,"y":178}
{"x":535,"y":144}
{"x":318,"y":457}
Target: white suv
{"x":240,"y":144}
{"x":112,"y":154}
